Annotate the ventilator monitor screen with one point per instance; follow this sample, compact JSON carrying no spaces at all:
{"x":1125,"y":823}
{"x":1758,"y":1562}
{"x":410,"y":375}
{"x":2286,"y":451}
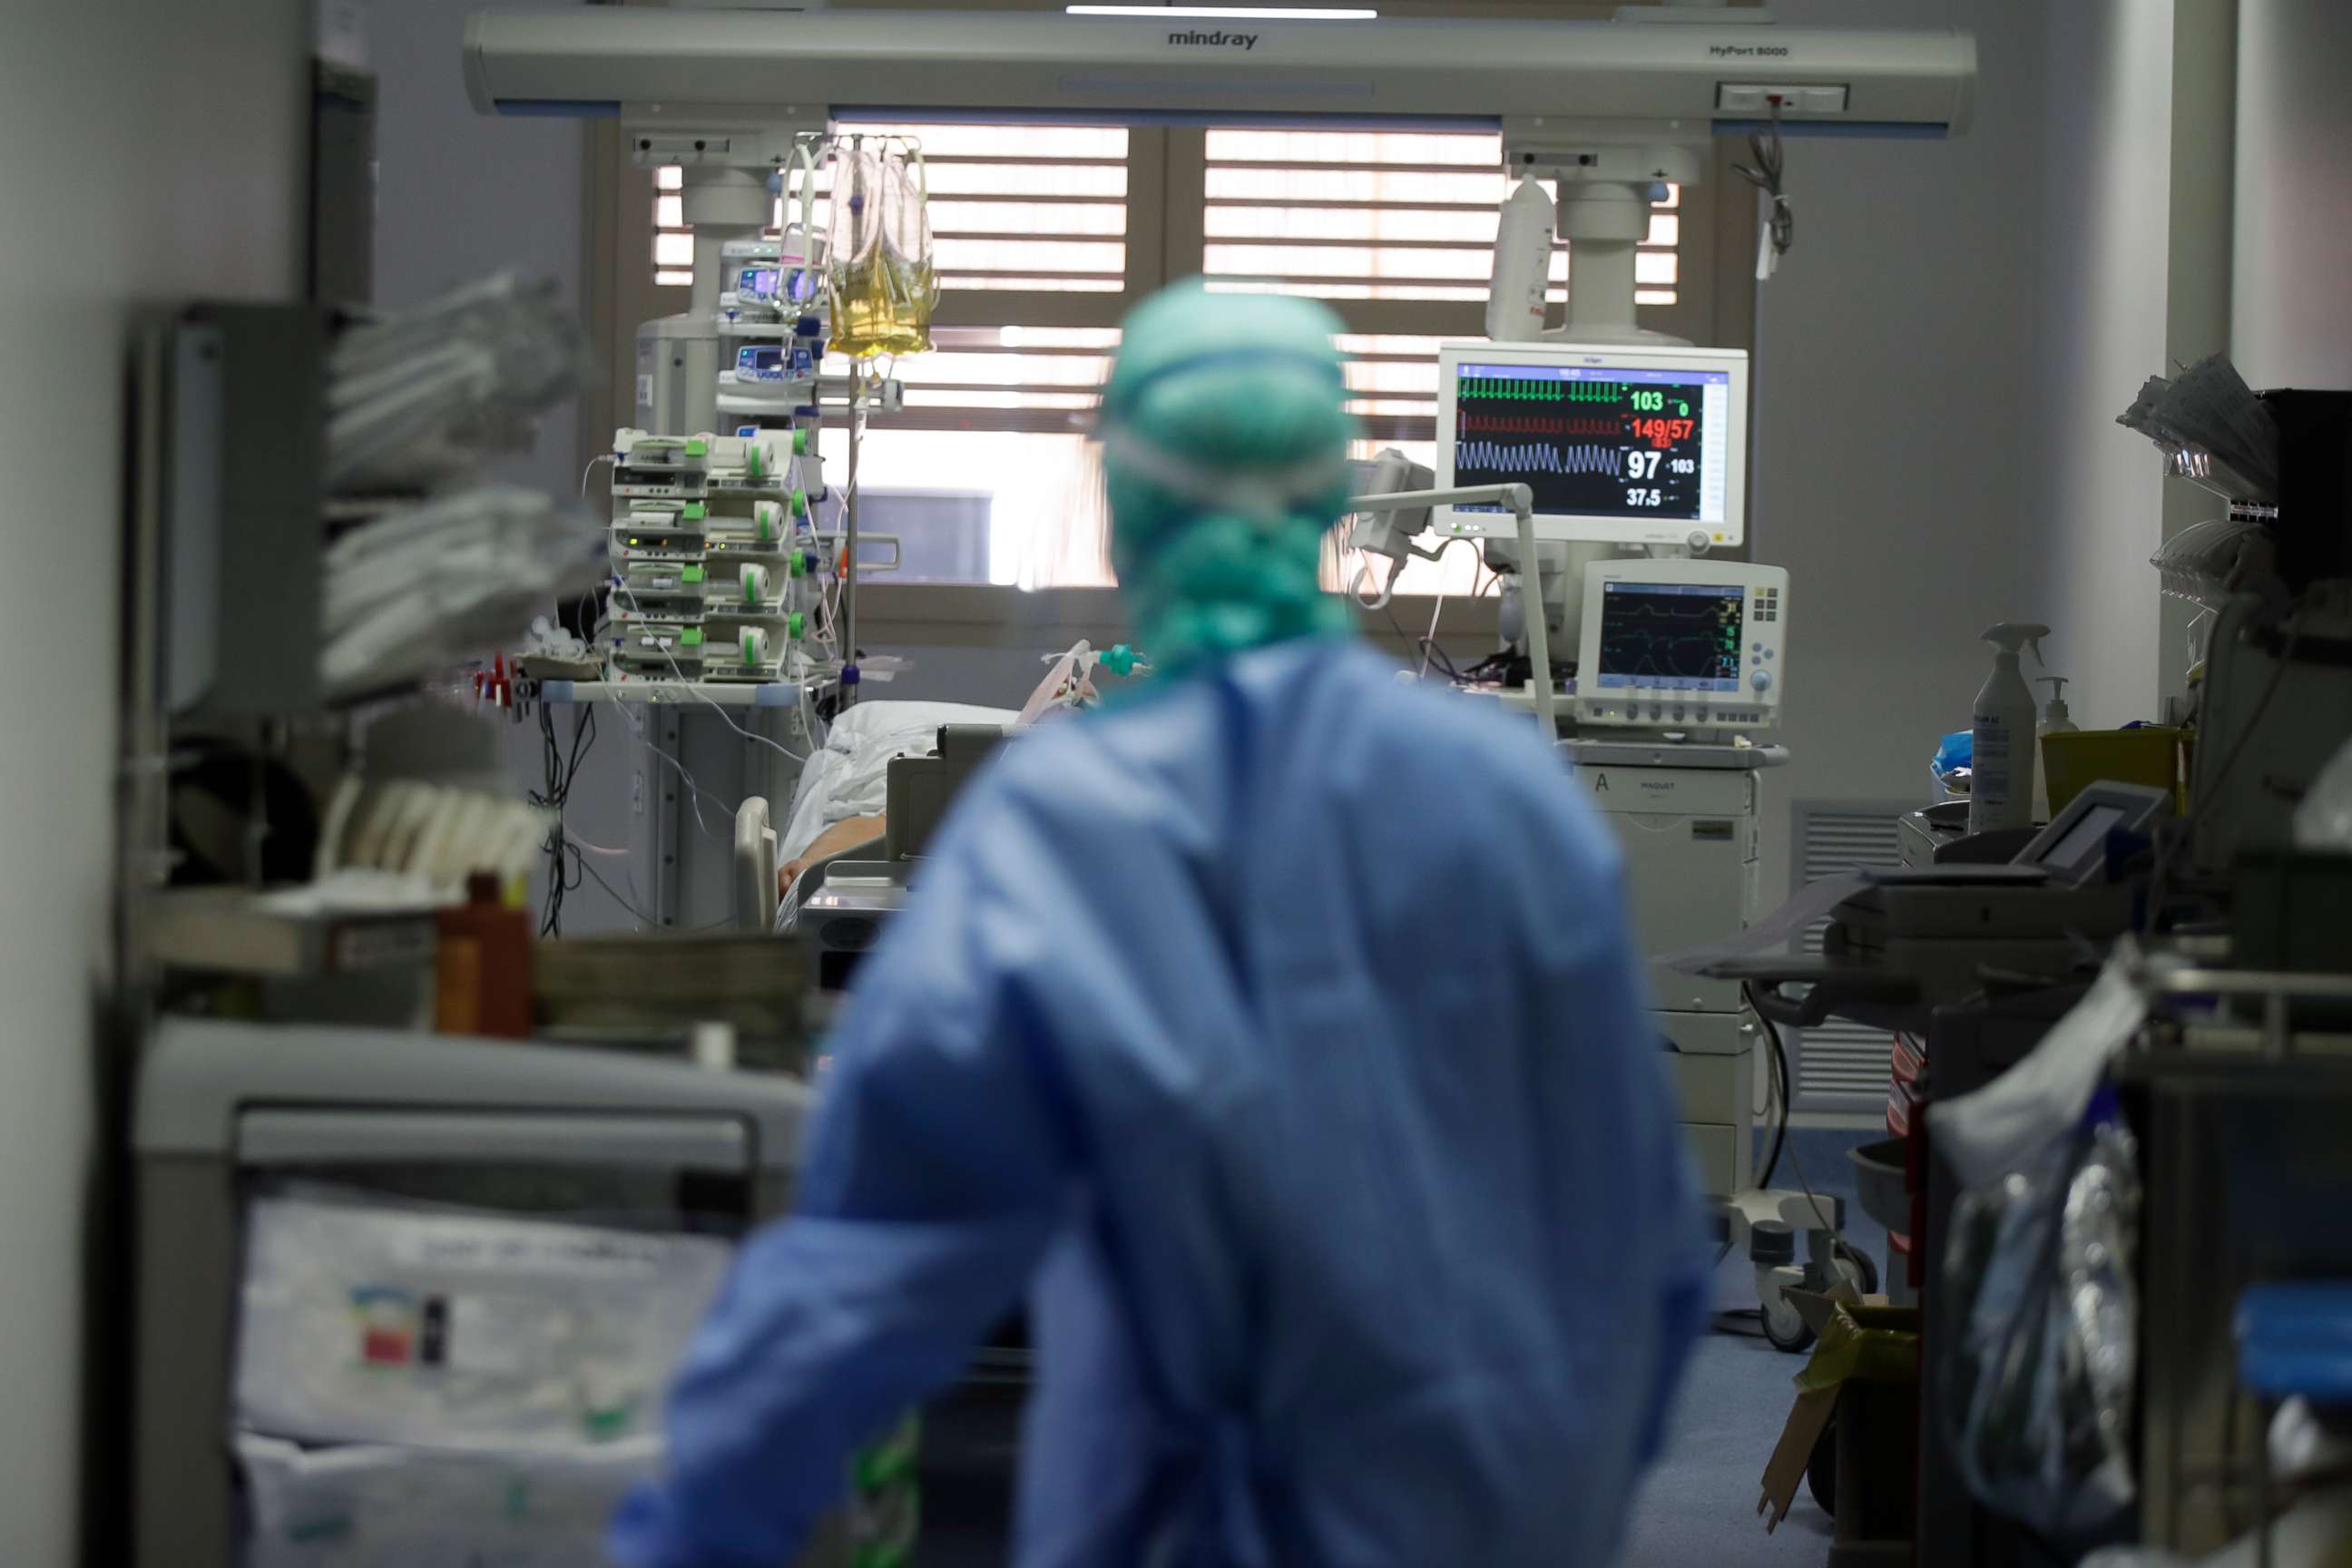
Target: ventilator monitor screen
{"x":1679,"y":637}
{"x":1618,"y":447}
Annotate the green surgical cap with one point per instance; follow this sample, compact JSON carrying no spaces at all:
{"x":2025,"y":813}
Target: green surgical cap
{"x":1226,"y":459}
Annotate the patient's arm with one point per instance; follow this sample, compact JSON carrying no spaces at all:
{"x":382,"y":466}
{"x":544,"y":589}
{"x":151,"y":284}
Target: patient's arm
{"x":846,"y":834}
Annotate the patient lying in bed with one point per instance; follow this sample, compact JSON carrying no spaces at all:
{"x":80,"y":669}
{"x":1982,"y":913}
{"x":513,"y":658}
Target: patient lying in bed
{"x":847,"y":834}
{"x":837,"y":805}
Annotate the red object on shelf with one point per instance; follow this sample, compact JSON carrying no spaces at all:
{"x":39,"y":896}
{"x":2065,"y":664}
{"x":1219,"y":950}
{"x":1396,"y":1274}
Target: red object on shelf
{"x":1915,"y":1177}
{"x":1906,"y":1119}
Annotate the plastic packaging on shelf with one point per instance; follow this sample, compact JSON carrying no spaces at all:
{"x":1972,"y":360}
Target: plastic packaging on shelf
{"x":2205,"y":562}
{"x":425,"y":586}
{"x":2210,"y":428}
{"x":376,"y":1507}
{"x":417,"y":394}
{"x":369,"y":1321}
{"x":2038,"y":1393}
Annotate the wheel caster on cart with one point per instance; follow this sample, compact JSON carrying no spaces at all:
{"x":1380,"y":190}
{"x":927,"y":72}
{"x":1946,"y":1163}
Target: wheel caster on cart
{"x":1768,"y":1225}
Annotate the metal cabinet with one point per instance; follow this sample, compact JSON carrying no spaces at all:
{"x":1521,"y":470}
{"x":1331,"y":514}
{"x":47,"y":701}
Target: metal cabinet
{"x":1689,"y":838}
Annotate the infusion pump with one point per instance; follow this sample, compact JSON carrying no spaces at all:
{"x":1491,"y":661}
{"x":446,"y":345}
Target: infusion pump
{"x":1682,"y":644}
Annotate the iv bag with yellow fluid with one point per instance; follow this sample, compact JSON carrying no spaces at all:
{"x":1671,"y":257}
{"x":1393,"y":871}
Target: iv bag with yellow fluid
{"x":879,"y":274}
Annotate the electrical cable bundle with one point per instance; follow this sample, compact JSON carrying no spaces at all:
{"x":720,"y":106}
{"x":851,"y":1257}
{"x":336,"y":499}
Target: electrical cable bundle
{"x":563,"y":771}
{"x":1766,"y":174}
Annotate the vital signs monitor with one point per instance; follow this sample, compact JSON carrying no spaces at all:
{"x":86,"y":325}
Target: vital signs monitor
{"x":1620,"y":445}
{"x":1692,"y":646}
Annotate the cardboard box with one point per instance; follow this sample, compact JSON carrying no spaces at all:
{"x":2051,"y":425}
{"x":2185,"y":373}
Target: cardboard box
{"x":1860,"y":1336}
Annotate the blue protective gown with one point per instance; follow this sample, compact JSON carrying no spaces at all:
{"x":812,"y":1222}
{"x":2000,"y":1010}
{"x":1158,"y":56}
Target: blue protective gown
{"x":1280,"y":1034}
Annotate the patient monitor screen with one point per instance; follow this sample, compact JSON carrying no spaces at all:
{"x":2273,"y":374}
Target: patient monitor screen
{"x":1614,"y":442}
{"x":1681,"y":637}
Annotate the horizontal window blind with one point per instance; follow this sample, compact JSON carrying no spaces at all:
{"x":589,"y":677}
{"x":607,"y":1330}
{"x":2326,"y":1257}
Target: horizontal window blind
{"x":1040,"y":247}
{"x":1013,"y":209}
{"x":1380,"y":216}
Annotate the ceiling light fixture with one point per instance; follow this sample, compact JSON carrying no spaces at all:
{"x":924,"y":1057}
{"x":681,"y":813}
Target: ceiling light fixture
{"x":1235,"y":13}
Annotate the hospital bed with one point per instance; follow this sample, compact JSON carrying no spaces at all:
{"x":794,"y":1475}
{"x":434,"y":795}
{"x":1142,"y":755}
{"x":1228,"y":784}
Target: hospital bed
{"x":902,"y":761}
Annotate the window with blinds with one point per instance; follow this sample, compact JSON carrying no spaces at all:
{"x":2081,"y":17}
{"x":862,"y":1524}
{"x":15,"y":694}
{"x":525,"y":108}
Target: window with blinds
{"x":1044,"y":235}
{"x":1395,"y":230}
{"x":1028,"y":208}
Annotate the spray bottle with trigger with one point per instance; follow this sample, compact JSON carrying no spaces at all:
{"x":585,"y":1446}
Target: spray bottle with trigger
{"x":2001,"y":789}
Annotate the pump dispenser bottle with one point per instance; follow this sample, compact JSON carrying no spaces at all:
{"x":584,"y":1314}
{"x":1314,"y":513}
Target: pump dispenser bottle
{"x":2001,"y":787}
{"x":2056,"y":720}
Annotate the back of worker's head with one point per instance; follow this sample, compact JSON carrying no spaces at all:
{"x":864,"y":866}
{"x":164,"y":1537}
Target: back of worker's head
{"x":1225,"y":445}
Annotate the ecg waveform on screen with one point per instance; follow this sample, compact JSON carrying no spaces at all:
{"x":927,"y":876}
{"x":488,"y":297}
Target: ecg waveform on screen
{"x":1553,"y":427}
{"x":1518,"y":389}
{"x":1535,"y":457}
{"x":1587,"y":448}
{"x":1668,"y":635}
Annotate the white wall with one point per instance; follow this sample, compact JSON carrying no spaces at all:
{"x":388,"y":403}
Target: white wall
{"x":460,"y":194}
{"x":2292,"y":313}
{"x":2090,"y":494}
{"x":152,"y":153}
{"x":1890,"y":351}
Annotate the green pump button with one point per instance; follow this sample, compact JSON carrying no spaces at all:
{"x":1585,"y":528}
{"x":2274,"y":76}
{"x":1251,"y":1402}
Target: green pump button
{"x":696,"y":446}
{"x":795,"y":623}
{"x":691,"y":574}
{"x":694,"y":511}
{"x":691,"y":637}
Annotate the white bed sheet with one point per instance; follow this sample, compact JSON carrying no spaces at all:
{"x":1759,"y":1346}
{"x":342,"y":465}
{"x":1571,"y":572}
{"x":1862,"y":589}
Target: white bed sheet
{"x":846,"y":777}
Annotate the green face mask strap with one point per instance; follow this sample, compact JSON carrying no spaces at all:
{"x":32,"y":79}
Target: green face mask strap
{"x":1120,"y":397}
{"x":1266,"y":495}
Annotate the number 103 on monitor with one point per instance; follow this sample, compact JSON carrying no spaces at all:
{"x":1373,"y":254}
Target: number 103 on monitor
{"x":1620,"y":445}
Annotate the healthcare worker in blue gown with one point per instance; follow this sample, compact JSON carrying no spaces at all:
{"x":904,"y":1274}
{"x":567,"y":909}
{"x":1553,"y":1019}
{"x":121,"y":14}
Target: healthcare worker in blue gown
{"x":1278,"y":1033}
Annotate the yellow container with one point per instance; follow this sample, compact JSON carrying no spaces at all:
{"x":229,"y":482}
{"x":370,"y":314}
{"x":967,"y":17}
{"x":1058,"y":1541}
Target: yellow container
{"x":882,"y":305}
{"x":2071,"y":762}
